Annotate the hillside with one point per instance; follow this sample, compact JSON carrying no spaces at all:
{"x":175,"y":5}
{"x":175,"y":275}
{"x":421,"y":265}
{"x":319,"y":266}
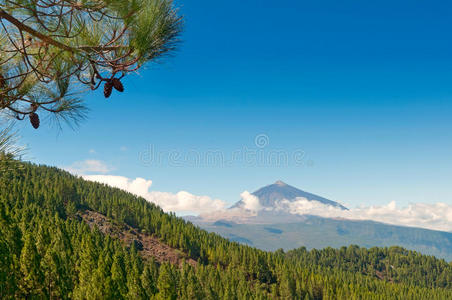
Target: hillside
{"x":316,"y":232}
{"x":62,"y":237}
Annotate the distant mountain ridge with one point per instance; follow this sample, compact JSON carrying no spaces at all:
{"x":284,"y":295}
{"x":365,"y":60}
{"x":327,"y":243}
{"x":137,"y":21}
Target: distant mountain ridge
{"x":269,"y":196}
{"x":275,"y":225}
{"x":317,"y":232}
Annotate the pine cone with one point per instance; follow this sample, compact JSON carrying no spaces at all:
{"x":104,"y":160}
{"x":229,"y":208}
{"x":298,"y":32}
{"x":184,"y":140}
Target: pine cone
{"x":108,"y":88}
{"x":34,"y":120}
{"x":117,"y":84}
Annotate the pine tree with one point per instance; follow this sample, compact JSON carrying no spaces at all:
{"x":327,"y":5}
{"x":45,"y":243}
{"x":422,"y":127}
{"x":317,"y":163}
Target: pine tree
{"x":118,"y":275}
{"x":87,"y":266}
{"x":6,"y":262}
{"x":166,"y":283}
{"x":149,"y":280}
{"x":287,"y":286}
{"x":32,"y":281}
{"x":194,"y":288}
{"x":135,"y":289}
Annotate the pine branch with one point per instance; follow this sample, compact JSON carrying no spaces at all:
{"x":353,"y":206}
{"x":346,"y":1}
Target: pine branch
{"x":21,"y":26}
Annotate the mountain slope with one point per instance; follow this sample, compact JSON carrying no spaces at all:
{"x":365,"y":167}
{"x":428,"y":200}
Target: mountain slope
{"x":271,"y":194}
{"x":277,"y":226}
{"x":317,"y":232}
{"x":49,"y":249}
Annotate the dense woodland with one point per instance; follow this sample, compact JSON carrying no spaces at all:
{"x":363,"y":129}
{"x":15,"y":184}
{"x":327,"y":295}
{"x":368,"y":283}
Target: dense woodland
{"x":48,"y":251}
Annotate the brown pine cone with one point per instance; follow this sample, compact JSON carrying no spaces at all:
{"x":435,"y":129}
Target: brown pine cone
{"x":117,"y":84}
{"x":108,"y":88}
{"x":34,"y":120}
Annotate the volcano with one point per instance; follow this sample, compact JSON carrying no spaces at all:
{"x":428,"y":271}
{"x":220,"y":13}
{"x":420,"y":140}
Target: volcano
{"x":271,"y":194}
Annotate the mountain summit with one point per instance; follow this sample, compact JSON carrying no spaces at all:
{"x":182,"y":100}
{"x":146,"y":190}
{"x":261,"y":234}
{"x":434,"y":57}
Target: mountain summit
{"x":278,"y":191}
{"x":280,"y":183}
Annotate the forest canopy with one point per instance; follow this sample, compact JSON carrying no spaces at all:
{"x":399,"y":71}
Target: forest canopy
{"x":49,"y":251}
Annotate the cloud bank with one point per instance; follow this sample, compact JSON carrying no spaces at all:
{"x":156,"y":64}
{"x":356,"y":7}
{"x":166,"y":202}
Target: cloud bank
{"x":435,"y":216}
{"x":180,"y":202}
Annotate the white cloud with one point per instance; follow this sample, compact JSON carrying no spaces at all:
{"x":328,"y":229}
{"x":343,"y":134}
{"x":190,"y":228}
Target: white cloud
{"x":249,"y":210}
{"x":123,"y":148}
{"x":184,"y":201}
{"x":436,"y":216}
{"x":88,"y":166}
{"x":180,"y":202}
{"x":250,"y":201}
{"x":92,"y":151}
{"x":138,"y":186}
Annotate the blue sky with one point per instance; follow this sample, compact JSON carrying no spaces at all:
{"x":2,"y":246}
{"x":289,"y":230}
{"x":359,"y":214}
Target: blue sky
{"x":363,"y":89}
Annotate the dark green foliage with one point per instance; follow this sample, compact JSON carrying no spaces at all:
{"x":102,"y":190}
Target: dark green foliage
{"x":392,"y":264}
{"x":47,"y":251}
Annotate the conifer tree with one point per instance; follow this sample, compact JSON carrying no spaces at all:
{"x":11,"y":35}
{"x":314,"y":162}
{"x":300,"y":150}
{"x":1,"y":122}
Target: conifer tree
{"x":135,"y":289}
{"x":287,"y":285}
{"x":7,"y":281}
{"x":194,"y":288}
{"x":149,"y":281}
{"x":32,"y":279}
{"x":166,"y":283}
{"x":86,"y":267}
{"x":118,"y":275}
